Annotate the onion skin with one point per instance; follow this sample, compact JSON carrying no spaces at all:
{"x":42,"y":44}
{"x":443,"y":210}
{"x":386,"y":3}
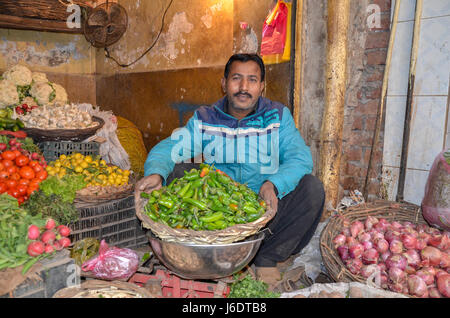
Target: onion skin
{"x":356,"y":250}
{"x":356,"y":227}
{"x":433,"y":292}
{"x":416,"y":286}
{"x":368,"y":270}
{"x":445,"y":260}
{"x":413,"y":258}
{"x":396,"y":260}
{"x":339,"y":240}
{"x":410,"y":270}
{"x":354,"y":265}
{"x":420,"y":244}
{"x":382,"y":246}
{"x":430,"y":255}
{"x":384,"y":256}
{"x":397,"y":225}
{"x":370,"y":222}
{"x":427,"y":277}
{"x":396,"y":246}
{"x":409,"y":241}
{"x":443,"y":285}
{"x":396,"y":275}
{"x":367,"y":245}
{"x":391,"y":235}
{"x":343,"y":252}
{"x":364,"y":237}
{"x":370,"y":256}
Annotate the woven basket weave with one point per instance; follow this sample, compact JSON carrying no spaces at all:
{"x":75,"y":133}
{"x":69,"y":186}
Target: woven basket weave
{"x":91,"y":289}
{"x":229,"y":235}
{"x":391,"y":211}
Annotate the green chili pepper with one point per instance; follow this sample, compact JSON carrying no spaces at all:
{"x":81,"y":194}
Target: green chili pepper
{"x":199,"y":204}
{"x":184,"y":189}
{"x":212,"y":218}
{"x":188,"y":194}
{"x":249,"y":209}
{"x":167,"y":202}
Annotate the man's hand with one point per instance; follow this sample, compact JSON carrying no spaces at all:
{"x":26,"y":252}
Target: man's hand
{"x":150,"y":183}
{"x":267,"y":193}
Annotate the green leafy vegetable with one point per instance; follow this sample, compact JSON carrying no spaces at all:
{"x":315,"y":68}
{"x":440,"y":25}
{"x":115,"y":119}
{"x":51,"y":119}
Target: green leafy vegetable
{"x":250,"y":288}
{"x":65,"y":187}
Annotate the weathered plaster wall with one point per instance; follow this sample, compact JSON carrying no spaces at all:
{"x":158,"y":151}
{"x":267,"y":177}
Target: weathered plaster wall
{"x":67,"y":59}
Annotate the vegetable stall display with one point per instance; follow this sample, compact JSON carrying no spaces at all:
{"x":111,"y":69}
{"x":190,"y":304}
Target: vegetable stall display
{"x":407,"y":258}
{"x":203,"y":199}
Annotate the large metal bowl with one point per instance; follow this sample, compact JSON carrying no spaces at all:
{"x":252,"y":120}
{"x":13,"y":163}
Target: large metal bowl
{"x":201,"y":261}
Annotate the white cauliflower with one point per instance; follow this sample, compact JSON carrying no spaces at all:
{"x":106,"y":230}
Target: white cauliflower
{"x":19,"y":75}
{"x":8,"y":94}
{"x":43,"y":93}
{"x":39,"y":77}
{"x":60,"y":95}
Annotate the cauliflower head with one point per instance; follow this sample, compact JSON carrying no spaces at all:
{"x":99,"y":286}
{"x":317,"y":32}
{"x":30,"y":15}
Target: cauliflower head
{"x":60,"y":95}
{"x":39,"y":77}
{"x":8,"y":94}
{"x":19,"y":75}
{"x":43,"y":93}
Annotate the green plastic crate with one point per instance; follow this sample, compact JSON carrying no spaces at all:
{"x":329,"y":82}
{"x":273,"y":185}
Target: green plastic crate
{"x":53,"y":149}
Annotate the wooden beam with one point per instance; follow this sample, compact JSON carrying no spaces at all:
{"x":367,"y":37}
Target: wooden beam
{"x":333,"y":117}
{"x":298,"y":62}
{"x":12,"y":22}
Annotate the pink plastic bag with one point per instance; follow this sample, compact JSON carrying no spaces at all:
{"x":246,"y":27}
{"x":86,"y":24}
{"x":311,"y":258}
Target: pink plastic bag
{"x":436,"y":202}
{"x":274,"y":30}
{"x":112,"y":263}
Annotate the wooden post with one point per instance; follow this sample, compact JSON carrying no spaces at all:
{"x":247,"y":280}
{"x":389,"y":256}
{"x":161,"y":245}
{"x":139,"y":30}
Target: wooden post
{"x":298,"y":62}
{"x":333,"y":118}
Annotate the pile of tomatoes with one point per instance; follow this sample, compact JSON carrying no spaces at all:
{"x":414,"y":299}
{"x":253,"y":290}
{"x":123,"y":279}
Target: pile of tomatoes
{"x":19,"y":175}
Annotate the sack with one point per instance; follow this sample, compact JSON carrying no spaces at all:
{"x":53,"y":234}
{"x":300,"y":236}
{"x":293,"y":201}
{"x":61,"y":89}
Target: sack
{"x":112,"y":263}
{"x":436,"y":202}
{"x":276,"y":35}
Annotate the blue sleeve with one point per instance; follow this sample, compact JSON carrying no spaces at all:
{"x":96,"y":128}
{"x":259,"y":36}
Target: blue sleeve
{"x":184,"y":143}
{"x":295,"y":157}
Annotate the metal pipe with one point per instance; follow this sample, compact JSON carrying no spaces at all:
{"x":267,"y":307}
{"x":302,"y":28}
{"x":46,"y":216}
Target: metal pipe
{"x":333,"y":118}
{"x":380,"y":111}
{"x":409,"y":101}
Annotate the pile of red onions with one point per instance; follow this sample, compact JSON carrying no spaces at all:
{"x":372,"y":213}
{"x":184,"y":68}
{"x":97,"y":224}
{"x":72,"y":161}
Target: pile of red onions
{"x":408,"y":258}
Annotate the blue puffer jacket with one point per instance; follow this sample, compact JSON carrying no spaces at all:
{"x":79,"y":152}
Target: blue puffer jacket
{"x":265,"y":145}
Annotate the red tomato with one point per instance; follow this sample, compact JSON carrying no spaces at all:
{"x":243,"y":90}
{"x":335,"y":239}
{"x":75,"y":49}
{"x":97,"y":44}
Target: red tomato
{"x":16,"y":153}
{"x":22,"y":189}
{"x":3,"y":174}
{"x":42,"y":175}
{"x":8,"y":155}
{"x":27,"y":172}
{"x":31,"y":189}
{"x":23,"y":181}
{"x":10,"y":183}
{"x":3,"y":187}
{"x":12,"y":169}
{"x":8,"y":163}
{"x":2,"y":167}
{"x":37,"y":168}
{"x":20,"y":200}
{"x":15,"y":176}
{"x":22,"y":160}
{"x":13,"y":192}
{"x":33,"y":163}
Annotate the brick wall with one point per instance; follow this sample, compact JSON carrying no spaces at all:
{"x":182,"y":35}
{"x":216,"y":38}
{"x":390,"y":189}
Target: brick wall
{"x":361,"y":114}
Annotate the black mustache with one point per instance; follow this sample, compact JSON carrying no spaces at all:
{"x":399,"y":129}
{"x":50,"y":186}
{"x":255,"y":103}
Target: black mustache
{"x":242,"y":93}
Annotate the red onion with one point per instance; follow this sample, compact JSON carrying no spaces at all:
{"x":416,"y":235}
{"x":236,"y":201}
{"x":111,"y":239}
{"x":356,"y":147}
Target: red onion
{"x":364,"y":237}
{"x":396,"y":275}
{"x":351,"y":240}
{"x":410,"y":270}
{"x":396,"y":260}
{"x":430,"y":269}
{"x":381,"y":227}
{"x":396,"y":246}
{"x":445,"y":243}
{"x":370,"y":221}
{"x":412,"y":258}
{"x":354,"y":265}
{"x":433,"y":231}
{"x":409,"y":241}
{"x":396,"y":288}
{"x":343,"y":252}
{"x":370,"y":256}
{"x":431,"y":256}
{"x":356,"y":250}
{"x":396,"y":225}
{"x":409,"y":224}
{"x":367,"y":245}
{"x":368,"y":270}
{"x":384,"y":279}
{"x":356,"y":227}
{"x":416,"y":286}
{"x":420,"y":244}
{"x":410,"y":231}
{"x":339,"y":240}
{"x":439,"y":273}
{"x":445,"y":260}
{"x":384,"y":256}
{"x":421,"y":228}
{"x":382,"y":267}
{"x":424,"y":236}
{"x":382,"y":246}
{"x":443,"y":285}
{"x":433,"y":292}
{"x":427,"y":277}
{"x":346,"y":231}
{"x":391,"y":235}
{"x":377,"y":236}
{"x":435,"y":240}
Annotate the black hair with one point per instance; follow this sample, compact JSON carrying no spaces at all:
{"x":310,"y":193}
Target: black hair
{"x":245,"y":57}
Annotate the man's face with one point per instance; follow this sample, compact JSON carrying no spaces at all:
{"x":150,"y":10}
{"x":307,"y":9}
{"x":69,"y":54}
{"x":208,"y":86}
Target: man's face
{"x":243,"y":85}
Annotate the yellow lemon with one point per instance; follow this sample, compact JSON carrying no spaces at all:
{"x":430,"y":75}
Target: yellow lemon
{"x":78,"y":169}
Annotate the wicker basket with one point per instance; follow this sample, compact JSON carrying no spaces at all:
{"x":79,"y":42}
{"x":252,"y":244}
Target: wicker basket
{"x":391,"y":211}
{"x":88,"y":194}
{"x":231,"y":234}
{"x":103,"y":289}
{"x":41,"y":135}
